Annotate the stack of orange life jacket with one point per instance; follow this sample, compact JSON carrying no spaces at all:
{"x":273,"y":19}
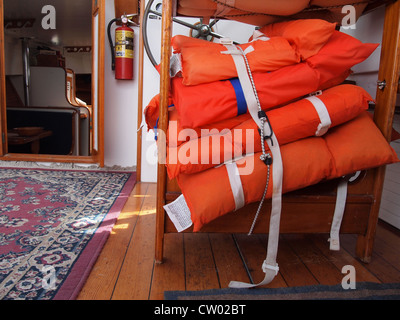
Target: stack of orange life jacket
{"x":315,"y":128}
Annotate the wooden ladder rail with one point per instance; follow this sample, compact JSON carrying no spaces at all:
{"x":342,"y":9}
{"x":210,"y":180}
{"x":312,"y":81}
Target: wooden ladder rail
{"x":166,"y":25}
{"x":389,"y":69}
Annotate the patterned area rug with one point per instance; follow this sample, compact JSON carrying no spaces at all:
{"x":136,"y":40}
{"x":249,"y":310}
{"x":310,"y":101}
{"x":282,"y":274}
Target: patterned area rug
{"x":53,"y":225}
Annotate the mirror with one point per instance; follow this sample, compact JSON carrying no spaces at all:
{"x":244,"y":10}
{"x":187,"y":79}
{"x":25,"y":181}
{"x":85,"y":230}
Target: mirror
{"x":48,"y":77}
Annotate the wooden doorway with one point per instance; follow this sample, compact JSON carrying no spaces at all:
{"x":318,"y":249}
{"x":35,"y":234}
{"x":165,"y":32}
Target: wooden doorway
{"x":94,"y":14}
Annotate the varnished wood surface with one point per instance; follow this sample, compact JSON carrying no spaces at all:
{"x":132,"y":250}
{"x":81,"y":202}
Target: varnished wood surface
{"x":140,"y":98}
{"x":166,"y":25}
{"x":389,"y":69}
{"x":3,"y":122}
{"x":126,"y":268}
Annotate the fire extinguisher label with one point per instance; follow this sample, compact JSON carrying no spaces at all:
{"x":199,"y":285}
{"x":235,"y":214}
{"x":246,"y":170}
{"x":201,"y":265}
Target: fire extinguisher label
{"x":124,"y":44}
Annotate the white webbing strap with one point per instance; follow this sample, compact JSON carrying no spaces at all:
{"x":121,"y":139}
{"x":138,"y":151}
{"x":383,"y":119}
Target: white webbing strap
{"x":270,"y":267}
{"x":236,"y":184}
{"x":341,"y":197}
{"x":258,"y":35}
{"x":245,"y":81}
{"x":323,"y":115}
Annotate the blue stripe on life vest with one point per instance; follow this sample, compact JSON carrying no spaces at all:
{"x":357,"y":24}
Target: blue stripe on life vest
{"x":155,"y":129}
{"x":241,"y":101}
{"x":156,"y":126}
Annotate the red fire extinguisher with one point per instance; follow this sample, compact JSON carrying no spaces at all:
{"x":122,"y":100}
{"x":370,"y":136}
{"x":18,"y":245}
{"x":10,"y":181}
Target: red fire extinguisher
{"x":122,"y":56}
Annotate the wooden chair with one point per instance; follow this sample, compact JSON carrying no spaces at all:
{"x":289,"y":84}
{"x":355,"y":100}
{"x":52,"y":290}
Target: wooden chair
{"x":308,"y":210}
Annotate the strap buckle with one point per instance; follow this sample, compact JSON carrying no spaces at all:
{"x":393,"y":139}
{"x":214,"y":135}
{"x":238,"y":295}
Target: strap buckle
{"x":266,"y":267}
{"x":334,"y":243}
{"x":226,"y":41}
{"x":264,"y":118}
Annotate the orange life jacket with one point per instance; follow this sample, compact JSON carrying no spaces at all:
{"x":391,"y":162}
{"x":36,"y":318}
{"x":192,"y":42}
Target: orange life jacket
{"x":292,"y":122}
{"x":212,"y":102}
{"x":259,"y":13}
{"x":203,"y":61}
{"x":355,"y":145}
{"x":307,"y":36}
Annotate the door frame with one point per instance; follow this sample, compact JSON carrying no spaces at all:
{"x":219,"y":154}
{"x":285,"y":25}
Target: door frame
{"x":97,"y":154}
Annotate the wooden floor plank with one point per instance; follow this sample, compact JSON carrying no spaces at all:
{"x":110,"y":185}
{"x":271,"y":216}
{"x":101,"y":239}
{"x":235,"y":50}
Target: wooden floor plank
{"x":102,"y":279}
{"x":227,"y":259}
{"x":379,"y":266}
{"x":200,"y":268}
{"x":383,"y":270}
{"x":342,"y":258}
{"x":125,"y":268}
{"x":169,"y":275}
{"x":254,"y":250}
{"x":135,"y":275}
{"x":293,"y":270}
{"x":323,"y":270}
{"x":387,"y":245}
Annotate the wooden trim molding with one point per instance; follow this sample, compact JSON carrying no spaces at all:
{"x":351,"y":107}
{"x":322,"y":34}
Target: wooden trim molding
{"x":3,"y":124}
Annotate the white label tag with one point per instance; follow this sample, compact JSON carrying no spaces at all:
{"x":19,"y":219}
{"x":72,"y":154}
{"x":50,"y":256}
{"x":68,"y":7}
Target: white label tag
{"x":179,"y":213}
{"x":175,"y":65}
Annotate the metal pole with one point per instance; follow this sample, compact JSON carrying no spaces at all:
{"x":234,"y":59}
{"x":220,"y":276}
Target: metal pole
{"x":26,"y":67}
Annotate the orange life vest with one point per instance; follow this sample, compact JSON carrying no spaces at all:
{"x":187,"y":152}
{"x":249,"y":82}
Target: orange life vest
{"x":355,"y":145}
{"x":307,"y":36}
{"x":212,"y":102}
{"x":292,"y":122}
{"x":260,"y":13}
{"x":203,"y":61}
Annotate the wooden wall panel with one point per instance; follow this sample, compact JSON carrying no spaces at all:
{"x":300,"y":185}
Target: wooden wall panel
{"x":127,"y":7}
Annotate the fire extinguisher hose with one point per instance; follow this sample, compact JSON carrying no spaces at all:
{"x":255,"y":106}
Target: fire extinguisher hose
{"x":111,"y":42}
